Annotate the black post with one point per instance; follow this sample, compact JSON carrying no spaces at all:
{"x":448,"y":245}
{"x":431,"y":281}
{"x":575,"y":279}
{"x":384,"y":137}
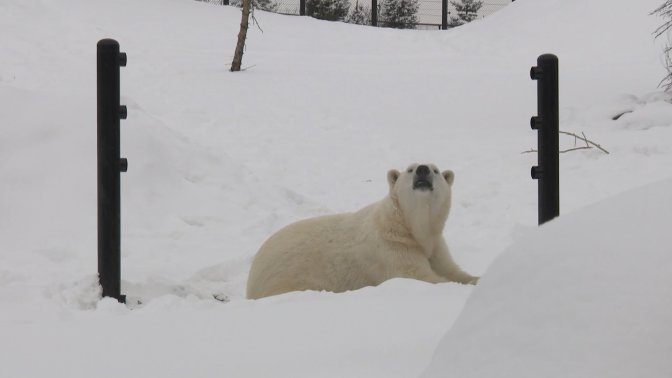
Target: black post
{"x":109,"y":59}
{"x":546,"y":123}
{"x":302,"y":7}
{"x":444,"y":14}
{"x":374,"y":12}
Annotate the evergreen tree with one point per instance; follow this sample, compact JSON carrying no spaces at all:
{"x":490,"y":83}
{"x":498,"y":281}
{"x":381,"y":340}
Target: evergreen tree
{"x":467,"y":11}
{"x":266,"y":5}
{"x":400,"y":14}
{"x":331,"y":10}
{"x":359,"y":14}
{"x":454,"y":21}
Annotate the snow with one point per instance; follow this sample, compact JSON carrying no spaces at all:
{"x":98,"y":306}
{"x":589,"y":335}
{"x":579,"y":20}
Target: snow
{"x":588,"y":295}
{"x":300,"y":334}
{"x":218,"y":161}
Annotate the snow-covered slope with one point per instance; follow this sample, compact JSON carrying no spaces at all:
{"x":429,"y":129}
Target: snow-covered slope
{"x":588,"y":295}
{"x":220,"y":160}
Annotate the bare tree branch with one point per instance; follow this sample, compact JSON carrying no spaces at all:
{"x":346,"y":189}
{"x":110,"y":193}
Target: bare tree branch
{"x":589,"y":144}
{"x":574,"y":149}
{"x":255,"y":22}
{"x":665,"y":11}
{"x":588,"y":141}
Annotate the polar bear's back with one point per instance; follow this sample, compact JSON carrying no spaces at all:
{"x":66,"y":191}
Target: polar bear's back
{"x":312,"y":254}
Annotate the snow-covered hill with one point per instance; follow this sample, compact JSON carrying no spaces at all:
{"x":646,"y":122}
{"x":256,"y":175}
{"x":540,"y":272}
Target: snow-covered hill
{"x":220,"y":160}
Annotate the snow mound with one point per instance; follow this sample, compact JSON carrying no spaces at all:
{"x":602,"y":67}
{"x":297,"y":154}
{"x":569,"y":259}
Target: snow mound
{"x":587,"y":295}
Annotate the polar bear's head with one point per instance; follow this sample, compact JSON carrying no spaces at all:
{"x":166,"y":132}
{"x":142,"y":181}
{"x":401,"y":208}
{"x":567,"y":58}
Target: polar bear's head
{"x":423,"y":194}
{"x":421,"y":181}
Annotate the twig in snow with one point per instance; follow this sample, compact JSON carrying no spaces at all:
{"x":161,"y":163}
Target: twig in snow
{"x":589,"y":144}
{"x":588,"y":141}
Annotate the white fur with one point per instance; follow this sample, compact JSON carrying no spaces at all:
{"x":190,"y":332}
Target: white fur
{"x":399,"y":236}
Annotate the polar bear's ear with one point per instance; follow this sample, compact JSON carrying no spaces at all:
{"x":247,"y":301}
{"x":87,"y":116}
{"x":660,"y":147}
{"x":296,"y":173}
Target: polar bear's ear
{"x":449,"y":176}
{"x":392,"y":177}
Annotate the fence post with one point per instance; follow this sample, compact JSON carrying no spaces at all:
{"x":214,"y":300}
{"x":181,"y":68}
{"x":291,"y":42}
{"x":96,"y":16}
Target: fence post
{"x":374,"y":12}
{"x":109,"y":59}
{"x":444,"y":14}
{"x":302,"y":7}
{"x":547,"y":124}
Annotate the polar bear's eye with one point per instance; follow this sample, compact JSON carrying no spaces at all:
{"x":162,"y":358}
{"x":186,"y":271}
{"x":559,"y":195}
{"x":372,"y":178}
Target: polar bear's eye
{"x":436,"y":171}
{"x":409,"y":170}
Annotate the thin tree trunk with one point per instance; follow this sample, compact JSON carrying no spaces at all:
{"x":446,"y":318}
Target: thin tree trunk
{"x":240,"y":46}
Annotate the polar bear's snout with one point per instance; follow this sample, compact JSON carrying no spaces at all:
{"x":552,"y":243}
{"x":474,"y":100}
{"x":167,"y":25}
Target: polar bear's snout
{"x":423,"y":179}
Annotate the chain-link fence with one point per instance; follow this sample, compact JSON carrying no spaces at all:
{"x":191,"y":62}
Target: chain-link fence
{"x":429,"y":15}
{"x":219,"y":2}
{"x":291,"y":7}
{"x":429,"y":11}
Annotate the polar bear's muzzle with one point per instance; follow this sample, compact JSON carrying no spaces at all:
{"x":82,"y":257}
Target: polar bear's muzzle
{"x":423,"y":178}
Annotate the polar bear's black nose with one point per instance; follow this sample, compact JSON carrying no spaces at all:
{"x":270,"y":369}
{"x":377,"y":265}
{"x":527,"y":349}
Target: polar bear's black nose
{"x":422,"y":171}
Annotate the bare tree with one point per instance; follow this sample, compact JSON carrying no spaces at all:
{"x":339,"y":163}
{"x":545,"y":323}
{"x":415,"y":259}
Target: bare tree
{"x":242,"y":35}
{"x":665,"y":11}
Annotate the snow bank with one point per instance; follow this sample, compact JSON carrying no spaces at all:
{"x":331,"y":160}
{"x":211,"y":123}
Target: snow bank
{"x":587,"y":295}
{"x":388,"y":331}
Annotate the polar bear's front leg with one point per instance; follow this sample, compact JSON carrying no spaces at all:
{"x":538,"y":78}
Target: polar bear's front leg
{"x":443,"y":264}
{"x":424,"y":273}
{"x":430,"y":276}
{"x":415,"y":265}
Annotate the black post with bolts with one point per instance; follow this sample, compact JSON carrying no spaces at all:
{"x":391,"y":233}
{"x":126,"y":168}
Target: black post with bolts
{"x":374,"y":12}
{"x":444,"y":14}
{"x":109,"y":60}
{"x":547,"y":125}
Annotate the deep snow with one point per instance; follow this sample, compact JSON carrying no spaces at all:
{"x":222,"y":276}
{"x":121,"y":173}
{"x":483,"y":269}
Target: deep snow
{"x":218,"y":161}
{"x":589,"y":295}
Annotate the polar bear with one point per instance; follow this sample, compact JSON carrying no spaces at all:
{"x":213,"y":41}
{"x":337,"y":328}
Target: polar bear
{"x":399,"y":236}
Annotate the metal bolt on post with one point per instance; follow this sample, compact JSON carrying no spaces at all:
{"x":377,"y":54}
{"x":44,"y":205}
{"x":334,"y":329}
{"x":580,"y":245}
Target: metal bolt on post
{"x":547,"y":172}
{"x":110,"y":112}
